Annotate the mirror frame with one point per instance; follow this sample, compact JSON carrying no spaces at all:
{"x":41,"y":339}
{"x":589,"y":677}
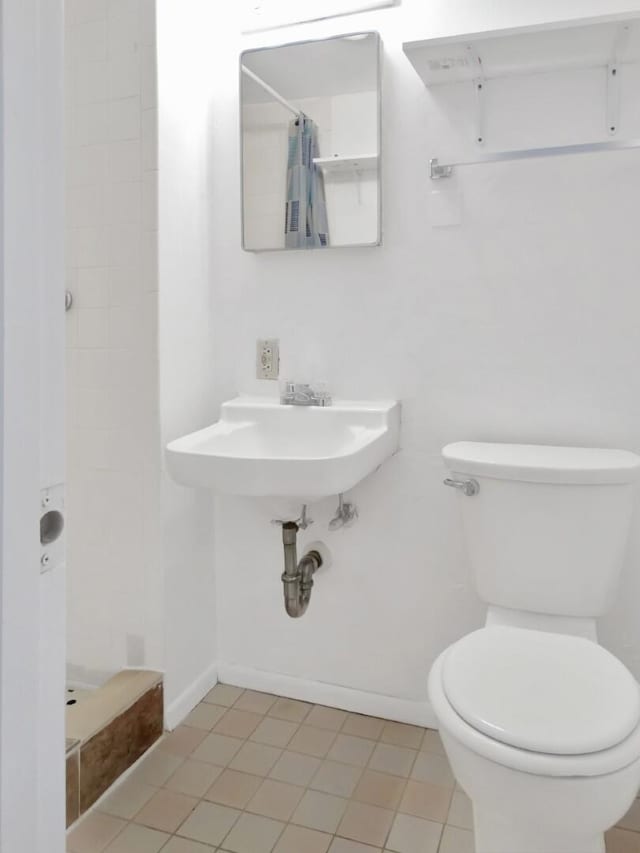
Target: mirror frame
{"x":379,"y":78}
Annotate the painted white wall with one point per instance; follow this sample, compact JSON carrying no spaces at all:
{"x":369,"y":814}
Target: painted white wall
{"x":31,"y":287}
{"x":186,"y":339}
{"x":517,"y":325}
{"x":113,"y":440}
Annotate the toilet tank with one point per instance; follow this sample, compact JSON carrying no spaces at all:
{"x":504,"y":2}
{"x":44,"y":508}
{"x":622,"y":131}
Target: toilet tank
{"x":547,"y":530}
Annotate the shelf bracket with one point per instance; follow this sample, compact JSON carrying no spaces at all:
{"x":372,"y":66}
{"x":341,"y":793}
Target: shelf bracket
{"x":479,"y":82}
{"x":613,"y":80}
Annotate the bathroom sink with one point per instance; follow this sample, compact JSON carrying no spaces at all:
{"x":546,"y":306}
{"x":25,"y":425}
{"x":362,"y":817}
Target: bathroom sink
{"x":261,"y":448}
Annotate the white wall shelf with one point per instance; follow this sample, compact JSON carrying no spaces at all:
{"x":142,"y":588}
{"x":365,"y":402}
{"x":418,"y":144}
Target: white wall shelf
{"x":607,"y":42}
{"x":587,"y":43}
{"x":352,"y":163}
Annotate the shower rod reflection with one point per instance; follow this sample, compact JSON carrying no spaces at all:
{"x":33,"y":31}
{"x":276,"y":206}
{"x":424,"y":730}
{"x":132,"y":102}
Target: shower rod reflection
{"x":270,"y":90}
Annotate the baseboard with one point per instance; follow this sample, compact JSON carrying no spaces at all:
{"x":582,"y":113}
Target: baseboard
{"x":175,"y":713}
{"x":359,"y":701}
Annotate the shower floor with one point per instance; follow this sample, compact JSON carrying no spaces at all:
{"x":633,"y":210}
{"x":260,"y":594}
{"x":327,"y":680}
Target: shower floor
{"x":73,"y":695}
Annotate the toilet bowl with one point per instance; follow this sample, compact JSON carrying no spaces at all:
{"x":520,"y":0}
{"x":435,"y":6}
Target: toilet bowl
{"x":540,"y":723}
{"x":504,"y":727}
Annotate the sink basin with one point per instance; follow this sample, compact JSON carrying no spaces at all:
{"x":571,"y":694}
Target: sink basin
{"x":260,"y":448}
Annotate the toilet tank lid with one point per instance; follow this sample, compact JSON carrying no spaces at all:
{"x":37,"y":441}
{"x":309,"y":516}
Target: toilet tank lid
{"x":541,"y":463}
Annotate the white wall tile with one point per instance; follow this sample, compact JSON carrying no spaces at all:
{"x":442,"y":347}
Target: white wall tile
{"x":124,"y":119}
{"x":124,"y":160}
{"x":113,"y":452}
{"x":92,"y":288}
{"x":93,"y":328}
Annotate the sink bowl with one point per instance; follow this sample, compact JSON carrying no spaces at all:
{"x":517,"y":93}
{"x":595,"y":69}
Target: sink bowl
{"x":260,"y":448}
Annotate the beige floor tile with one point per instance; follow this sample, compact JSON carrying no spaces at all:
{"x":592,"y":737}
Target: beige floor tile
{"x":363,"y":726}
{"x":352,"y":750}
{"x":430,"y":767}
{"x":233,"y":788}
{"x":138,"y":839}
{"x":380,"y":789}
{"x":290,"y":709}
{"x":256,"y":758}
{"x":414,"y":835}
{"x":274,"y":732}
{"x":217,"y":749}
{"x":295,"y":768}
{"x":366,"y":824}
{"x":209,"y":823}
{"x":166,"y":810}
{"x":205,"y":716}
{"x":299,"y":839}
{"x":224,"y":694}
{"x":397,"y":760}
{"x":432,"y":742}
{"x":193,"y":778}
{"x":155,"y":768}
{"x":275,"y":799}
{"x":320,"y":811}
{"x":326,"y":718}
{"x":182,"y":741}
{"x":94,"y":833}
{"x":343,"y":845}
{"x":237,"y":723}
{"x":253,"y":700}
{"x":401,"y":734}
{"x":424,"y":799}
{"x":127,"y":798}
{"x":460,"y":811}
{"x":622,"y":841}
{"x":335,"y":778}
{"x":183,"y":845}
{"x":455,"y":840}
{"x":253,"y":834}
{"x":632,"y":818}
{"x":312,"y":741}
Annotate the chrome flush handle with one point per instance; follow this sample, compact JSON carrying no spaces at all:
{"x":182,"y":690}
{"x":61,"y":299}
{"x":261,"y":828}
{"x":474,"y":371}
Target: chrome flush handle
{"x":467,"y":487}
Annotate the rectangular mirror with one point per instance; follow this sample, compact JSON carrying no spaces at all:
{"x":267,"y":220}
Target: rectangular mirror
{"x":310,"y":116}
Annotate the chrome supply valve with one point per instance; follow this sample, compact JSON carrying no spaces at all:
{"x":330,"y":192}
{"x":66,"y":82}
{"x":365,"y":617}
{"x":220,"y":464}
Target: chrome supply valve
{"x":346,"y":514}
{"x":469,"y":488}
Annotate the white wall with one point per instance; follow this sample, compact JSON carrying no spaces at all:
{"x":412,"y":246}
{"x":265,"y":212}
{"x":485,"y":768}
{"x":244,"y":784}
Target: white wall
{"x":519,"y":325}
{"x":186,"y":340}
{"x":113,"y":441}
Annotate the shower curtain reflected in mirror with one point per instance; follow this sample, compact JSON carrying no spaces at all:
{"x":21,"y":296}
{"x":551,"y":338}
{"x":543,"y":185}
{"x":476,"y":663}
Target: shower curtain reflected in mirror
{"x":306,"y":222}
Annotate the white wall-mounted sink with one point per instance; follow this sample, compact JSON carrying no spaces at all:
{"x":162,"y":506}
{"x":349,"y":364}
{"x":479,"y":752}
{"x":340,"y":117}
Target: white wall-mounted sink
{"x":260,"y":448}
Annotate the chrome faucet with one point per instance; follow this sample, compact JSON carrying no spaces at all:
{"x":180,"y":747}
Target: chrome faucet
{"x":303,"y":394}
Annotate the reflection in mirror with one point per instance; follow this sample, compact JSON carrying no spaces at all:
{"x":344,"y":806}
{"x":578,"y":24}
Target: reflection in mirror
{"x":311,"y":144}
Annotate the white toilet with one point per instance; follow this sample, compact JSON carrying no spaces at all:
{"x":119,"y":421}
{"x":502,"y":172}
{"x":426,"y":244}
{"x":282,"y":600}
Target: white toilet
{"x":540,"y":723}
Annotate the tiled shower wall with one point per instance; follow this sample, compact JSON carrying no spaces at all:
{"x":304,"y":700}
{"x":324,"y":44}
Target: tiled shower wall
{"x":114,"y":580}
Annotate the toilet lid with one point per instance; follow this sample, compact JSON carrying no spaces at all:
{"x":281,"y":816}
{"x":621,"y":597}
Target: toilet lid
{"x":539,"y":691}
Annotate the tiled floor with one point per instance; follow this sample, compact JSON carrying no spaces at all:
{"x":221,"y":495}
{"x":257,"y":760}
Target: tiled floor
{"x":252,"y":773}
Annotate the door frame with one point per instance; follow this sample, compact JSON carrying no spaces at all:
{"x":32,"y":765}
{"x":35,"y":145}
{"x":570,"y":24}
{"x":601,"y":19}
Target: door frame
{"x":32,"y":624}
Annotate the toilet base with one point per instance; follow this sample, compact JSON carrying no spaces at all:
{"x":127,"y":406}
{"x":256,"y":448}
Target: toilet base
{"x":494,"y":835}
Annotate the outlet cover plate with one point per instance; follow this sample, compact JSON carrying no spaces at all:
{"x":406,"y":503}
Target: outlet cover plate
{"x":267,"y":358}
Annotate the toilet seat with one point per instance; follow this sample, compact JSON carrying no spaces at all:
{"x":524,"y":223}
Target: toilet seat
{"x":545,"y":692}
{"x":592,"y":762}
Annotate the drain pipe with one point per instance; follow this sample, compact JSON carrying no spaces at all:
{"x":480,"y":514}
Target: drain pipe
{"x":297,"y":578}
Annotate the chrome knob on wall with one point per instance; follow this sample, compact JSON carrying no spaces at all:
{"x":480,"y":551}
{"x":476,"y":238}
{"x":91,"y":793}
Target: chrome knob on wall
{"x":467,"y":487}
{"x":68,"y":300}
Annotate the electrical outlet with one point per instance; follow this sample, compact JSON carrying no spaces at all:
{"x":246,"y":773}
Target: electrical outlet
{"x":267,"y":358}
